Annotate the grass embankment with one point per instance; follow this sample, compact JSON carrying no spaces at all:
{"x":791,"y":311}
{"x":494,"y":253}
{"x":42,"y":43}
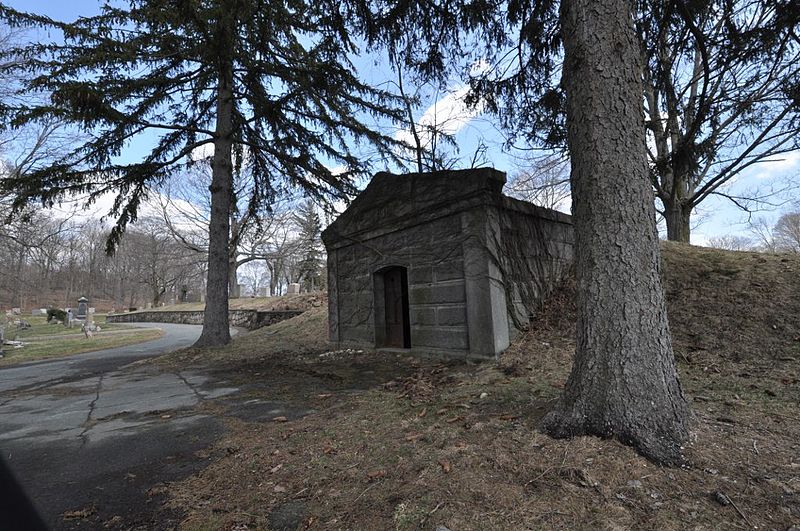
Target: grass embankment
{"x":302,"y":301}
{"x":422,"y":443}
{"x":44,"y":341}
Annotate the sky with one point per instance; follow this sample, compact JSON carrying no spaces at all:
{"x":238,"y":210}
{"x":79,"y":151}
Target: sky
{"x":714,"y":217}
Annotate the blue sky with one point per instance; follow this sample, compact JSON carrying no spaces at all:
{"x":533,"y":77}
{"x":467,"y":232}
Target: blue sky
{"x":715,"y":217}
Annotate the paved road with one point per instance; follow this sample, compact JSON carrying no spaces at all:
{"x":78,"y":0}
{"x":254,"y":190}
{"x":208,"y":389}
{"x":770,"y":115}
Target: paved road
{"x":91,"y":434}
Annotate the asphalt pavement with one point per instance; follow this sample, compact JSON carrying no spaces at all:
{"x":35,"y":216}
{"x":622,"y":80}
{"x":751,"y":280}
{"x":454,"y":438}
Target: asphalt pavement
{"x":92,"y":438}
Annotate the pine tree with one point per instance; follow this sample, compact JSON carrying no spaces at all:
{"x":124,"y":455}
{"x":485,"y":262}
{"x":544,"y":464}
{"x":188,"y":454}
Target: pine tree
{"x":267,"y":84}
{"x":309,"y":241}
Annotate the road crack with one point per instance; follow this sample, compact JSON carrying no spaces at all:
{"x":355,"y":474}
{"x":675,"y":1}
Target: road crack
{"x":87,"y":424}
{"x":199,"y":396}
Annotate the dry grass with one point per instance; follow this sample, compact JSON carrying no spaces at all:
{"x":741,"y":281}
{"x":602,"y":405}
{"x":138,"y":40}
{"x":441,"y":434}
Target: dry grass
{"x":59,"y":347}
{"x":401,"y":443}
{"x":303,"y":301}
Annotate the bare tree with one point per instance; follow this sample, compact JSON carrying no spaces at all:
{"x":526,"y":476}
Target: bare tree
{"x":162,"y":265}
{"x":33,"y":238}
{"x":731,"y":242}
{"x":186,"y":210}
{"x":787,"y":233}
{"x":543,"y":181}
{"x":720,"y":90}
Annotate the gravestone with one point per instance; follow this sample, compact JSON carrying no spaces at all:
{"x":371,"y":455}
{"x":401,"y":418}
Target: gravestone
{"x":149,"y":306}
{"x":294,"y":289}
{"x":263,"y":292}
{"x":83,"y":308}
{"x":39,"y":311}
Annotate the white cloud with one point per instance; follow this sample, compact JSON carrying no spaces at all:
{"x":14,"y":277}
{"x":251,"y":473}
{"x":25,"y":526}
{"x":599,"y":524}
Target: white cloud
{"x":778,"y":165}
{"x":181,"y":212}
{"x":448,"y":115}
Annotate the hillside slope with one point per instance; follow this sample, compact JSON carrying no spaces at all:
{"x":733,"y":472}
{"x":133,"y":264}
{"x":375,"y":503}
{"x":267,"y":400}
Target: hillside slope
{"x":401,"y":443}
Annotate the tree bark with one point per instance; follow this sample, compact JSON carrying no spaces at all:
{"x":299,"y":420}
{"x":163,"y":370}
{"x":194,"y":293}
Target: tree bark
{"x":677,"y":214}
{"x":233,"y":279}
{"x":623,"y":382}
{"x":216,"y":329}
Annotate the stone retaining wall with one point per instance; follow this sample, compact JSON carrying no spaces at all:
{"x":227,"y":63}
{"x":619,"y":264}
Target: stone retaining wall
{"x":249,"y":319}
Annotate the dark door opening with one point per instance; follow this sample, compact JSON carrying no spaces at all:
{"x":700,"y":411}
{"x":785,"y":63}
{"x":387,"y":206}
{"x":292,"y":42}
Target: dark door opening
{"x":396,"y":326}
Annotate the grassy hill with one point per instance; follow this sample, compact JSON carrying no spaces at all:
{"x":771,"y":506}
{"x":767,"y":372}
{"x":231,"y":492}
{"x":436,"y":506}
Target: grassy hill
{"x":303,"y":301}
{"x":403,"y":443}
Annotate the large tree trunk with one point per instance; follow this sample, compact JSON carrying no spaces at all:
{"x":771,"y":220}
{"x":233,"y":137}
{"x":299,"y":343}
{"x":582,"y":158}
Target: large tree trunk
{"x":216,"y":330}
{"x":623,"y":382}
{"x":677,"y":214}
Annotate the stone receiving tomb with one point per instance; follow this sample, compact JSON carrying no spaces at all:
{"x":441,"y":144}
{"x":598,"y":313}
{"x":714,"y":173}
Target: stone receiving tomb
{"x":441,"y":263}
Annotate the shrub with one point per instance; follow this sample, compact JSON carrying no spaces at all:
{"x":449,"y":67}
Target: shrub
{"x":55,"y":313}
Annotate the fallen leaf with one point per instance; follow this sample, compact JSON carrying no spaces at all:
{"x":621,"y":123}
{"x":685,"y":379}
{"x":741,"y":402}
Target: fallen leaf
{"x":376,"y":474}
{"x":279,"y":488}
{"x":325,"y":395}
{"x":422,"y":413}
{"x":280,"y":419}
{"x":412,"y":437}
{"x":454,"y":419}
{"x":80,"y":513}
{"x":166,"y":416}
{"x":445,"y":464}
{"x":275,"y":468}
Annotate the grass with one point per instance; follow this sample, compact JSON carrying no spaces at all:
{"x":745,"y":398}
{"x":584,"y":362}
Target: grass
{"x":404,"y":443}
{"x":61,"y":347}
{"x":303,"y":301}
{"x":41,"y":328}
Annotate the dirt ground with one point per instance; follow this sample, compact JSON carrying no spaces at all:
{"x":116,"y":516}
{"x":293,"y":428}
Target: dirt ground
{"x":393,"y":442}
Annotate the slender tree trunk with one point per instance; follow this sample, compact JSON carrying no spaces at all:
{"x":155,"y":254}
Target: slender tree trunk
{"x":233,"y":279}
{"x":677,"y":214}
{"x":216,"y":330}
{"x":16,"y":297}
{"x":623,"y":382}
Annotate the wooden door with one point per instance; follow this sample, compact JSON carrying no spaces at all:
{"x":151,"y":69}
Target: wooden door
{"x":396,"y":313}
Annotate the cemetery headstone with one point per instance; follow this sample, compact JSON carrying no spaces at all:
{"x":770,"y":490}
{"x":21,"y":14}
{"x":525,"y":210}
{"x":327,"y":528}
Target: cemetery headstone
{"x":83,"y":308}
{"x":294,"y":289}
